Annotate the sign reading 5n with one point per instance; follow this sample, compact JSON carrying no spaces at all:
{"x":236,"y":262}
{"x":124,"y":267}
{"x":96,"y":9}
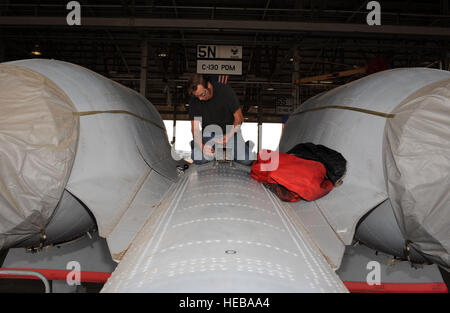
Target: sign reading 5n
{"x":219,"y":52}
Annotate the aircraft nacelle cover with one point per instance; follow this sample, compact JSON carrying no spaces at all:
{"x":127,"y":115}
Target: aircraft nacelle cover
{"x":359,"y":137}
{"x":111,"y":134}
{"x":38,"y":140}
{"x":417,"y":169}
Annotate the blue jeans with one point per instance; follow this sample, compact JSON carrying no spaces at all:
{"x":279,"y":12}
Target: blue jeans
{"x":241,"y":150}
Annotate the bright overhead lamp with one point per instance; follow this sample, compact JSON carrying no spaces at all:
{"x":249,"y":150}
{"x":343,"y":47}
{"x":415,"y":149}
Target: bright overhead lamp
{"x":36,"y":50}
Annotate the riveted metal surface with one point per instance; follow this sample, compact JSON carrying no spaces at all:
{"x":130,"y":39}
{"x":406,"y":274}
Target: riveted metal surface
{"x":223,"y":232}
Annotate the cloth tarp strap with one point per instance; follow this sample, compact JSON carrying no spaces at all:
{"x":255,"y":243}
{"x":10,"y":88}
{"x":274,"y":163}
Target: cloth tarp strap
{"x":85,"y":113}
{"x":342,"y":107}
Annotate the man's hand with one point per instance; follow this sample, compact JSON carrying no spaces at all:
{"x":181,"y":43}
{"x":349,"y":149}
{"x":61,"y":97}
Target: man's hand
{"x":223,"y":140}
{"x":226,"y":138}
{"x":218,"y":140}
{"x":208,"y":150}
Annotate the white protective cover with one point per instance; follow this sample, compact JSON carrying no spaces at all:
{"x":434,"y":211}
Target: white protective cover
{"x":38,"y":139}
{"x":417,"y":169}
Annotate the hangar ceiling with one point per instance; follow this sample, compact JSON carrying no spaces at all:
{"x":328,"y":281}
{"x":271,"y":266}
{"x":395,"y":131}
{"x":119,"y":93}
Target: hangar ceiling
{"x":282,"y":41}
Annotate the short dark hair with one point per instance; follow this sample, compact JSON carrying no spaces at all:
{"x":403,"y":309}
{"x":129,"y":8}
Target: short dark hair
{"x":195,"y":80}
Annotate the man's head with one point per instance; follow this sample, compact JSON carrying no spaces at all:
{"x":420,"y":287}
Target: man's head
{"x":200,"y":87}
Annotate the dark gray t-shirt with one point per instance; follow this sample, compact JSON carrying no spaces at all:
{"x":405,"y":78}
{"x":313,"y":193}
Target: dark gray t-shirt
{"x":218,"y":110}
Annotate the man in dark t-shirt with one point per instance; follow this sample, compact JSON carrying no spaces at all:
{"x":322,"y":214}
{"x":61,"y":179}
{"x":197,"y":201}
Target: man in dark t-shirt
{"x":216,"y":108}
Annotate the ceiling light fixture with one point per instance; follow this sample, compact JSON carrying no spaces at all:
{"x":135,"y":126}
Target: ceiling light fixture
{"x":36,"y":50}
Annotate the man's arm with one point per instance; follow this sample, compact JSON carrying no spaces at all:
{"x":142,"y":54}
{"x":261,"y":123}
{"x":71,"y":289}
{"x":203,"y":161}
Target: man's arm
{"x":237,"y":114}
{"x":196,"y":133}
{"x":238,"y":117}
{"x":197,"y":137}
{"x":238,"y":120}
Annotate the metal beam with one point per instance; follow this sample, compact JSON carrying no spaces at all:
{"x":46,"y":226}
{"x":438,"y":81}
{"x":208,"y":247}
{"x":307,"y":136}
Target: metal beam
{"x":296,"y":76}
{"x":260,"y":118}
{"x":213,"y":25}
{"x":144,"y":65}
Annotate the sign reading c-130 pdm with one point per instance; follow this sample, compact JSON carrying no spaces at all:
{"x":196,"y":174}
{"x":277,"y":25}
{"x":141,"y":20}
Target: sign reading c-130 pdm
{"x":222,"y":60}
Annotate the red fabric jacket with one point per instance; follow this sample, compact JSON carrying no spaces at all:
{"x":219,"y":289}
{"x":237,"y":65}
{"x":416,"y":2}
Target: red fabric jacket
{"x":294,"y":178}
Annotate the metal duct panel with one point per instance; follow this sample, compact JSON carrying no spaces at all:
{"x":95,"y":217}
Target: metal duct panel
{"x":69,"y":220}
{"x":380,"y":231}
